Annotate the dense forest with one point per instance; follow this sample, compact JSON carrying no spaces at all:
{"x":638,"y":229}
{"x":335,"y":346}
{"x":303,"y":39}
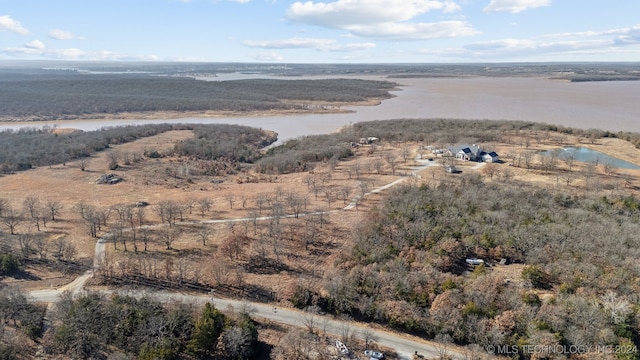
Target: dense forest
{"x":408,"y":265}
{"x":29,"y":147}
{"x":93,"y":326}
{"x":66,"y":96}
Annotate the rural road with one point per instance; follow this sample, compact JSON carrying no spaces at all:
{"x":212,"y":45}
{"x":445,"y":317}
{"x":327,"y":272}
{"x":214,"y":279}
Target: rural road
{"x":403,"y":344}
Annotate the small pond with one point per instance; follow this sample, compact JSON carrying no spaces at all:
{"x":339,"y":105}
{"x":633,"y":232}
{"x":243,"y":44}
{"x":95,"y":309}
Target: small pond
{"x":587,"y":155}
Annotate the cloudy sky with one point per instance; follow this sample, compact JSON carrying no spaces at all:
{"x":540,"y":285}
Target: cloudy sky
{"x":322,"y":31}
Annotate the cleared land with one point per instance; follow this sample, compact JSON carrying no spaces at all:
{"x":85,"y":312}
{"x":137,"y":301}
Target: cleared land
{"x":237,"y":232}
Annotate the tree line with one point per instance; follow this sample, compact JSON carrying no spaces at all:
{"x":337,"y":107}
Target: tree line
{"x":68,"y":96}
{"x":26,"y":148}
{"x":94,"y":326}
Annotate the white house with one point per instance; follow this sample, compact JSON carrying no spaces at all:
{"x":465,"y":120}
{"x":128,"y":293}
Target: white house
{"x":491,"y":156}
{"x":471,"y":153}
{"x":465,"y":152}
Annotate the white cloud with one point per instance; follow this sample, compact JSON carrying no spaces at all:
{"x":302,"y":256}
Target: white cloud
{"x":36,"y":49}
{"x":345,"y":13}
{"x":381,"y":19}
{"x":62,"y":35}
{"x":292,"y":43}
{"x":415,"y":31}
{"x":266,"y":56}
{"x":35,"y":44}
{"x":309,"y":43}
{"x":11,"y":25}
{"x":613,"y":40}
{"x":515,"y":6}
{"x":46,"y":53}
{"x":215,"y":1}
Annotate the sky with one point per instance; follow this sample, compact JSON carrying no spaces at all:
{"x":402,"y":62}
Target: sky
{"x":326,"y":31}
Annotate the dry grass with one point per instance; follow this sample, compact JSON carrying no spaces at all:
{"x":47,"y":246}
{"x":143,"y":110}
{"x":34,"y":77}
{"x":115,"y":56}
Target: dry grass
{"x":147,"y":180}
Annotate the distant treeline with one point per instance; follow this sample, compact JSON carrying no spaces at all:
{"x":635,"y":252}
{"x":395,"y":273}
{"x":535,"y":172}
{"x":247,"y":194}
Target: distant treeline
{"x":28,"y":147}
{"x":450,"y":131}
{"x":301,"y":154}
{"x":68,"y":96}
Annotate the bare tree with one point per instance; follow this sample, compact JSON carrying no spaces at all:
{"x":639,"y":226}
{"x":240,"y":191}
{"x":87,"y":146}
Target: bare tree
{"x":11,"y":218}
{"x":567,"y":177}
{"x":4,"y":205}
{"x":113,"y":157}
{"x":392,"y":162}
{"x":369,"y":336}
{"x":124,"y":214}
{"x":443,"y":342}
{"x":63,"y":250}
{"x":204,"y":205}
{"x":204,"y":232}
{"x":344,"y":193}
{"x":310,"y":180}
{"x":549,"y":162}
{"x":230,"y":199}
{"x":54,"y":207}
{"x":310,"y":318}
{"x":364,"y":187}
{"x":89,"y":215}
{"x":377,"y":165}
{"x":145,"y":235}
{"x":220,"y":273}
{"x":233,"y":245}
{"x":405,"y":153}
{"x":261,"y":200}
{"x":609,"y":167}
{"x":83,"y":163}
{"x":490,"y":170}
{"x":527,"y":157}
{"x":345,"y":328}
{"x":168,"y":211}
{"x":569,"y":157}
{"x":168,"y":236}
{"x":295,"y":203}
{"x":40,"y":244}
{"x":329,"y":196}
{"x":33,"y":209}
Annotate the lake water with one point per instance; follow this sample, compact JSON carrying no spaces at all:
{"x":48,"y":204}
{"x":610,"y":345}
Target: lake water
{"x":587,"y":155}
{"x":613,"y":106}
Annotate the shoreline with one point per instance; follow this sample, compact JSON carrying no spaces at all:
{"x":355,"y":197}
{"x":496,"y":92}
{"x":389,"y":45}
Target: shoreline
{"x":159,"y":115}
{"x":311,"y":108}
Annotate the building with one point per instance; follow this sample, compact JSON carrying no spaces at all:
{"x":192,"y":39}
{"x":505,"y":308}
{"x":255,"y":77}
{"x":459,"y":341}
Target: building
{"x":465,"y":152}
{"x":471,"y":153}
{"x":491,"y":156}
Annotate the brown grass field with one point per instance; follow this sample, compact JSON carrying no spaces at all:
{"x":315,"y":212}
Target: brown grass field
{"x":239,"y":274}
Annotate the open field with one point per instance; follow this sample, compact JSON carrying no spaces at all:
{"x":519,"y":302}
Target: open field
{"x":237,"y":196}
{"x":238,"y":233}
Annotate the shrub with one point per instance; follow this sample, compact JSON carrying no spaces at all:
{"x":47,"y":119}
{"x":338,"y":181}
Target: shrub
{"x":9,"y":264}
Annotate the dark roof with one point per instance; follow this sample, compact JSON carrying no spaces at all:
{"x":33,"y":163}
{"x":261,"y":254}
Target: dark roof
{"x":465,"y":148}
